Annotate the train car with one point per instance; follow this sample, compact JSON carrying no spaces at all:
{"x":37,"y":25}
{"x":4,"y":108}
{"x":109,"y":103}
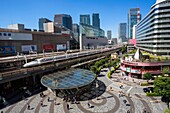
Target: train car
{"x":63,"y":57}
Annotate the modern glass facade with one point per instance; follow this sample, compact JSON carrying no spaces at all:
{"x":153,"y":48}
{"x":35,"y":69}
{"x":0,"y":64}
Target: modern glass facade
{"x":96,"y":20}
{"x":109,"y":34}
{"x":134,"y":16}
{"x":85,"y":19}
{"x":41,"y":22}
{"x":153,"y":32}
{"x":122,"y":32}
{"x":91,"y":31}
{"x":64,"y":20}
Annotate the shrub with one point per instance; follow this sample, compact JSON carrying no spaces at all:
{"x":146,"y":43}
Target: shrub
{"x":167,"y":111}
{"x":152,"y":94}
{"x":109,"y":75}
{"x":145,"y":84}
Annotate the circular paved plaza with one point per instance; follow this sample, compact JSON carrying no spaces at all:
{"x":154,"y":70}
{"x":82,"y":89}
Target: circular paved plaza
{"x":100,"y":99}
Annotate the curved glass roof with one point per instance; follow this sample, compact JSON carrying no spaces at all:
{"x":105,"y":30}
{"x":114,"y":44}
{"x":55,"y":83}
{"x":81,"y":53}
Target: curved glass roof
{"x":68,"y":79}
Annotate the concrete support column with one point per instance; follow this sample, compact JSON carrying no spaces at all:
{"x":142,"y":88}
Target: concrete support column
{"x":81,"y":42}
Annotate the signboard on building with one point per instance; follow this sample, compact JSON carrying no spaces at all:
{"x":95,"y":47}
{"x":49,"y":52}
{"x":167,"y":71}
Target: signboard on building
{"x":48,"y":47}
{"x":128,"y":69}
{"x":15,"y":36}
{"x":135,"y":71}
{"x":26,"y":48}
{"x":61,"y":47}
{"x":7,"y":49}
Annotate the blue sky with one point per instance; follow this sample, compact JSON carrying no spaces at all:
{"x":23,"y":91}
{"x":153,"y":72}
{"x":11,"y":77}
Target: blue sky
{"x":112,"y":12}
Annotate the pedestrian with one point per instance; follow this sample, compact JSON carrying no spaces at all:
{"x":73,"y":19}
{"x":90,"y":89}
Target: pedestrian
{"x":124,"y":101}
{"x":41,"y":103}
{"x":89,"y":105}
{"x":48,"y":99}
{"x":128,"y":111}
{"x":28,"y":106}
{"x":68,"y":107}
{"x":144,"y":110}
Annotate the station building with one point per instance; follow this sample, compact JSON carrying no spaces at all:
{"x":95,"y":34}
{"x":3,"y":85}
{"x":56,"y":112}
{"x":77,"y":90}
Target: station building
{"x":13,"y":41}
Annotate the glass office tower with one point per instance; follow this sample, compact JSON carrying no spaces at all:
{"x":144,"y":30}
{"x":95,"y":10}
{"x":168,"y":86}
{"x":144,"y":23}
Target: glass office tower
{"x":64,"y":20}
{"x":153,"y":31}
{"x":85,"y":19}
{"x":41,"y":22}
{"x":96,"y":20}
{"x":122,"y":32}
{"x":134,"y":17}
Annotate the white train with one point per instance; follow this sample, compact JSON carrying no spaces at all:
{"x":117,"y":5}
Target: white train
{"x":45,"y":60}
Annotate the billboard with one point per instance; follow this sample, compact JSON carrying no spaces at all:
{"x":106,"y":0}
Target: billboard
{"x":15,"y":36}
{"x":7,"y":49}
{"x":48,"y":47}
{"x":61,"y":47}
{"x":26,"y":48}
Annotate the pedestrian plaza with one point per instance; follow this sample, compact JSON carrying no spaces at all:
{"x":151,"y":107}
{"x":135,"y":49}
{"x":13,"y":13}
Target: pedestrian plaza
{"x":102,"y":98}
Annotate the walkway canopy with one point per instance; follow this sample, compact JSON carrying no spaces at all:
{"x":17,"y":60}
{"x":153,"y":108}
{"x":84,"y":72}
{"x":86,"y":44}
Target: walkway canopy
{"x":68,"y":79}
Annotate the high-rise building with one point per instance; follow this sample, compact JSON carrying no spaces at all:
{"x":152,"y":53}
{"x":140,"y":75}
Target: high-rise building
{"x":134,"y":17}
{"x":63,"y":20}
{"x":109,"y":34}
{"x":16,"y":26}
{"x":96,"y":20}
{"x":48,"y":27}
{"x":85,"y":19}
{"x":122,"y":32}
{"x":41,"y":23}
{"x":152,"y":32}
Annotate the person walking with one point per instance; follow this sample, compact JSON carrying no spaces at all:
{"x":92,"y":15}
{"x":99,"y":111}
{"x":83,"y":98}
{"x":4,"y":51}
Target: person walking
{"x":28,"y":106}
{"x":41,"y":103}
{"x":128,"y":111}
{"x":89,"y":105}
{"x":48,"y":99}
{"x":68,"y":107}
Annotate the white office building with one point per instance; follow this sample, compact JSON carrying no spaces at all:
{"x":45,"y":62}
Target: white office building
{"x":153,"y":31}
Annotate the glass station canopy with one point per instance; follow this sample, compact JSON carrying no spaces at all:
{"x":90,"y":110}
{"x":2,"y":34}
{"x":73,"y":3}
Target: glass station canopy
{"x":68,"y":79}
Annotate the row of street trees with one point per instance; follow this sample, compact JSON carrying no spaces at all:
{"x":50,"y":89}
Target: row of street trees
{"x":161,"y":85}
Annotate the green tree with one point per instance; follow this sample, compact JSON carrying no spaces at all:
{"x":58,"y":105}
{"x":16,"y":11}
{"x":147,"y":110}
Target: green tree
{"x":162,"y":87}
{"x":95,"y":70}
{"x":165,"y":70}
{"x":147,"y":76}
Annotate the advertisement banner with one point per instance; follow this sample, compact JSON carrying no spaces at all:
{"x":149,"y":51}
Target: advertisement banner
{"x":61,"y":47}
{"x":15,"y":36}
{"x":26,"y":48}
{"x":7,"y":49}
{"x":48,"y":47}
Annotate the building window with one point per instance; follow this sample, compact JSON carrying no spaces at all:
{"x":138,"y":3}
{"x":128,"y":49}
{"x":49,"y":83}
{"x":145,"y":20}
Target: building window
{"x":0,"y":34}
{"x":9,"y":34}
{"x":5,"y":34}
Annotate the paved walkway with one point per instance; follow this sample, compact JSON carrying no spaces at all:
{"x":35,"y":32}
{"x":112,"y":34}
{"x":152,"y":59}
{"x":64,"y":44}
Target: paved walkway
{"x":107,"y":101}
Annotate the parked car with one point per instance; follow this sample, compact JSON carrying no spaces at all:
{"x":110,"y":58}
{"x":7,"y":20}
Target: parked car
{"x":148,"y":89}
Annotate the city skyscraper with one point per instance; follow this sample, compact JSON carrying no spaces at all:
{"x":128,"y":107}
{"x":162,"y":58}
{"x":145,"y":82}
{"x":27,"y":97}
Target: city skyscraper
{"x":41,"y":22}
{"x":85,"y":19}
{"x":122,"y":32}
{"x":64,"y":20}
{"x":134,"y":17}
{"x":96,"y":20}
{"x":109,"y":34}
